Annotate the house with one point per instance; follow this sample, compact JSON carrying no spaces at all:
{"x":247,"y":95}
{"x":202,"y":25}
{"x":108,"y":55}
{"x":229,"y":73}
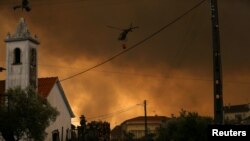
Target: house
{"x":237,"y":113}
{"x":21,"y":68}
{"x":51,"y":89}
{"x":136,"y":127}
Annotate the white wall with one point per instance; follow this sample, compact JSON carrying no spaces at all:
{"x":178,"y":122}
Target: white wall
{"x":231,"y":116}
{"x":63,"y":119}
{"x":138,"y":127}
{"x":18,"y":75}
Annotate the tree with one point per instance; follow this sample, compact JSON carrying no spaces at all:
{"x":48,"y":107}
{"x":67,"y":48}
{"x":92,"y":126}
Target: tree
{"x":93,"y":131}
{"x":82,"y":129}
{"x":128,"y":136}
{"x":97,"y":131}
{"x":189,"y":126}
{"x":26,"y":115}
{"x":73,"y":133}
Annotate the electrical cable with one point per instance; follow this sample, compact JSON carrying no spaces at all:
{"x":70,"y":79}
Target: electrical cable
{"x":104,"y":116}
{"x":137,"y":44}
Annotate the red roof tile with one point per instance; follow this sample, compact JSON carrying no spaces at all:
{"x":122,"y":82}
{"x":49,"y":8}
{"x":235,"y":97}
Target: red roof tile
{"x":149,"y":119}
{"x":44,"y":85}
{"x":141,"y":118}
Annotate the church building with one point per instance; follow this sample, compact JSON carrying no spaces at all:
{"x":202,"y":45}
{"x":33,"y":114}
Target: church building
{"x":22,"y":71}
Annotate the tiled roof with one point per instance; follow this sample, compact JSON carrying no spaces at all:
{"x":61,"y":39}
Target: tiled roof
{"x":149,"y":118}
{"x":140,"y":118}
{"x":44,"y":85}
{"x":237,"y":108}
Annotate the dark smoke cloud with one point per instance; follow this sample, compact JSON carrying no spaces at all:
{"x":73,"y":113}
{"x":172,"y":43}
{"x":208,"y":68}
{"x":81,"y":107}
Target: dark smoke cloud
{"x":172,"y":70}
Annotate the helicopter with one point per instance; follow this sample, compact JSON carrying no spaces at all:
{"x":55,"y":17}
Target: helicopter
{"x":25,"y":5}
{"x":123,"y":35}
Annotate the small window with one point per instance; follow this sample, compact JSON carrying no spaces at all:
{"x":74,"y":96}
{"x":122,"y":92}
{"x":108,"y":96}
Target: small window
{"x":55,"y":135}
{"x":17,"y":56}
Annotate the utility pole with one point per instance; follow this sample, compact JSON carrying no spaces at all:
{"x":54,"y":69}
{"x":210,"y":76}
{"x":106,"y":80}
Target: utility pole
{"x":145,"y":117}
{"x":217,"y":69}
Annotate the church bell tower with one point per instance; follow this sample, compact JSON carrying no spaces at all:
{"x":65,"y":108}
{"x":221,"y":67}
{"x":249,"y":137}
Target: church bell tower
{"x":21,"y":58}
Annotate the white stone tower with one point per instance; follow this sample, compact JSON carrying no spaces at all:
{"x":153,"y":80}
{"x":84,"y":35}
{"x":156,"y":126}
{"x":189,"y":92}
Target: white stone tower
{"x":21,"y":58}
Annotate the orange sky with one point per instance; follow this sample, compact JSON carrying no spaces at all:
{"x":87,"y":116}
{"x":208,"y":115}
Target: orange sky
{"x":172,"y":70}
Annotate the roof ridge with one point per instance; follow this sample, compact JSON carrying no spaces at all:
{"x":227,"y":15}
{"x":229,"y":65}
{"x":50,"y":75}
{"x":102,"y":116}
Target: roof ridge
{"x":48,"y":77}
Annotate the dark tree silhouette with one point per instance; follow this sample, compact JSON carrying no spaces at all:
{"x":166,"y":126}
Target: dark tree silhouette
{"x":26,"y":115}
{"x":189,"y":126}
{"x":93,"y":131}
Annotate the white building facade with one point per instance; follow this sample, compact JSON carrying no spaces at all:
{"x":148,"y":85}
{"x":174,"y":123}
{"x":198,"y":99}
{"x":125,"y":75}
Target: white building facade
{"x":237,"y":113}
{"x":22,"y":71}
{"x":136,"y":126}
{"x":53,"y":91}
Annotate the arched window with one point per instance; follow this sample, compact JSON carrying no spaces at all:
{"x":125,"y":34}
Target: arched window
{"x":17,"y":56}
{"x":55,"y":135}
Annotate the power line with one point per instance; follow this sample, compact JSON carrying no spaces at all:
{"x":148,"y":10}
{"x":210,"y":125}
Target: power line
{"x":137,"y":44}
{"x":105,"y":116}
{"x":149,"y":75}
{"x":131,"y":74}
